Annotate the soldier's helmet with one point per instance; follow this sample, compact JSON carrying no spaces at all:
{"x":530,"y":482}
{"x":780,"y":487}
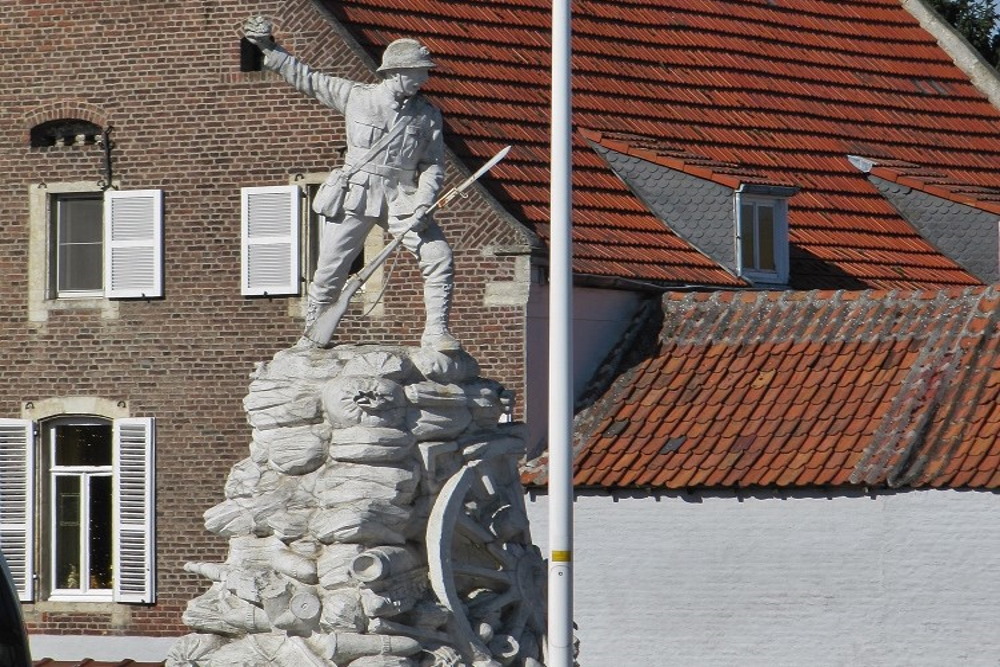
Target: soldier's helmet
{"x":406,"y":54}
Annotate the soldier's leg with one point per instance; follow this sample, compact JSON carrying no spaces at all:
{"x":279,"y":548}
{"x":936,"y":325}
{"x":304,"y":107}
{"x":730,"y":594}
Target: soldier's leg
{"x":436,"y":265}
{"x":340,"y":243}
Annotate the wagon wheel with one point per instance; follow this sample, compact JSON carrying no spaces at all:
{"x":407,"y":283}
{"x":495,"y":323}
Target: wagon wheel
{"x":484,"y":568}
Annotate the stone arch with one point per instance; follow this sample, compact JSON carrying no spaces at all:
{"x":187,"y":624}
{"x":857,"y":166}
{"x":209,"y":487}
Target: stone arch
{"x":75,"y":405}
{"x":62,"y":110}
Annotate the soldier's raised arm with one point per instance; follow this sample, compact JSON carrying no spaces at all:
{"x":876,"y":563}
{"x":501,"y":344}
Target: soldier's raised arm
{"x":329,"y":90}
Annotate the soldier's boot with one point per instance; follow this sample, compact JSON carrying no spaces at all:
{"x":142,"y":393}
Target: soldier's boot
{"x":313,"y":309}
{"x":437,"y":302}
{"x":312,"y":312}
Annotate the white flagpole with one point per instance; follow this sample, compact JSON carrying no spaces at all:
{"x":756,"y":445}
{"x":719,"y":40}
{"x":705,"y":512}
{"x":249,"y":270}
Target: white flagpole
{"x":560,"y":431}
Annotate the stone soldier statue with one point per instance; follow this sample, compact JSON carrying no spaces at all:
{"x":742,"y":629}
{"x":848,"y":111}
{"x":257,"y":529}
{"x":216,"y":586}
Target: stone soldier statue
{"x":391,"y":176}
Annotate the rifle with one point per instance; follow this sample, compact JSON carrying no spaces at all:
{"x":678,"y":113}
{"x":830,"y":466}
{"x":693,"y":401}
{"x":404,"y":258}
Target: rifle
{"x":321,"y":331}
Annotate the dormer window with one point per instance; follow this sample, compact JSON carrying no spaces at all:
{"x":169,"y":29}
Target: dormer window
{"x":762,"y":238}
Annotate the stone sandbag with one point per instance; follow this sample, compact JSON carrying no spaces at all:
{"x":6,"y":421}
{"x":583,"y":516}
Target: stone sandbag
{"x":441,"y":367}
{"x":282,"y":406}
{"x":296,"y":450}
{"x":484,"y":400}
{"x":360,"y":491}
{"x":403,"y":478}
{"x":370,"y":523}
{"x":437,"y":394}
{"x":365,"y":401}
{"x":380,"y":363}
{"x":371,"y":445}
{"x":438,"y":423}
{"x":249,"y":478}
{"x":342,"y":611}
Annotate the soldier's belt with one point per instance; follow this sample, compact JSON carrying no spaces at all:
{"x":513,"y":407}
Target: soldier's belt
{"x":387,"y":171}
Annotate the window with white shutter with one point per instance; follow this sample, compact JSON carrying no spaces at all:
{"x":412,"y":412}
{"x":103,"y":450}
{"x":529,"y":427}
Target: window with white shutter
{"x":17,"y":502}
{"x":134,"y":510}
{"x":89,"y":245}
{"x":96,"y":523}
{"x":270,"y":240}
{"x":133,"y":244}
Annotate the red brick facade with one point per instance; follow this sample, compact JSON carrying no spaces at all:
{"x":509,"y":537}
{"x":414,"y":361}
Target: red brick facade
{"x":186,"y":121}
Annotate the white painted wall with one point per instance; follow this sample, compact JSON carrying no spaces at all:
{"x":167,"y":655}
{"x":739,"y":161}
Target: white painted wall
{"x":110,"y":649}
{"x":600,"y":316}
{"x":901,"y":579}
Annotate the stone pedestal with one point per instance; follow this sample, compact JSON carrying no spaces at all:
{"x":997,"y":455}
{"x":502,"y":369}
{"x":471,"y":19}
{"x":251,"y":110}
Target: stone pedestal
{"x":379,"y":520}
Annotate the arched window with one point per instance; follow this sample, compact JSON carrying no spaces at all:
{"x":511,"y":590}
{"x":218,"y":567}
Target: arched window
{"x":78,"y":452}
{"x":64,"y":132}
{"x":77,"y":501}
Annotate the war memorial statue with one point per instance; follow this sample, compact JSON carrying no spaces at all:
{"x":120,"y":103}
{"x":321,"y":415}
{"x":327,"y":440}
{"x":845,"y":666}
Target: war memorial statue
{"x":379,"y":519}
{"x":392,"y":173}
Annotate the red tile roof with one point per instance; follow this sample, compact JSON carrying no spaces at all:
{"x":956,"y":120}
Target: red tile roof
{"x":780,"y":91}
{"x":934,"y":183}
{"x":803,"y":388}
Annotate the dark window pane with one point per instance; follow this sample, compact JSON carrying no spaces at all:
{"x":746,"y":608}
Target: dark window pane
{"x":81,"y":267}
{"x":81,"y":220}
{"x":67,"y":528}
{"x":100,"y":532}
{"x":747,"y":237}
{"x":79,"y":249}
{"x":82,"y":444}
{"x":765,"y":228}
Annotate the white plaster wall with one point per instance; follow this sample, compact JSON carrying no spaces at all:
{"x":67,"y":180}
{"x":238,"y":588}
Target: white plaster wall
{"x":109,"y":649}
{"x":600,"y":316}
{"x":905,"y":579}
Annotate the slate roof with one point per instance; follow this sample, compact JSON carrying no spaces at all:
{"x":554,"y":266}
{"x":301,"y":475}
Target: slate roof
{"x":787,"y":389}
{"x":935,"y":183}
{"x":781,"y":92}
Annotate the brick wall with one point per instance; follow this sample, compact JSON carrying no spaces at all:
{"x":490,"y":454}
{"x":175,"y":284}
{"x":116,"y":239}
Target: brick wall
{"x":187,"y":121}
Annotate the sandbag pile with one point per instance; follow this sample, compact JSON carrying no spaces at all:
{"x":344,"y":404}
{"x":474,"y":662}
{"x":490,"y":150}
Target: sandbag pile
{"x":326,"y":518}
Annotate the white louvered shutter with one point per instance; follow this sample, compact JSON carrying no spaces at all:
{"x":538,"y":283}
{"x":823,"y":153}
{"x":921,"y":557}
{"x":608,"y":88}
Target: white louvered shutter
{"x":134,"y":510}
{"x":17,"y":502}
{"x":133,"y":244}
{"x":271,"y":240}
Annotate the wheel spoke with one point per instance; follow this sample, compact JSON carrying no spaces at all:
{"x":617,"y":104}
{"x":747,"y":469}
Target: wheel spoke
{"x":484,"y":573}
{"x":516,"y":626}
{"x":507,"y":560}
{"x":494,"y":604}
{"x":473,"y":529}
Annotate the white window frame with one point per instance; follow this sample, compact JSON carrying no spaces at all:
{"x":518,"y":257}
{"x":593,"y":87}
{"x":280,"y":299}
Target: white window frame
{"x":42,"y":297}
{"x":270,"y":245}
{"x":84,"y":473}
{"x":779,"y":276}
{"x":133,"y":501}
{"x":56,"y":250}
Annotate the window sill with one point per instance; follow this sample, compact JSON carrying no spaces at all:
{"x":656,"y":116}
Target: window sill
{"x":88,"y":598}
{"x":765,"y":279}
{"x":108,"y":308}
{"x":118,"y":614}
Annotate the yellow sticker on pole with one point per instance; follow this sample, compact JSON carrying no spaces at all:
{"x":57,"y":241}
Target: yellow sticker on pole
{"x":562,"y":556}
